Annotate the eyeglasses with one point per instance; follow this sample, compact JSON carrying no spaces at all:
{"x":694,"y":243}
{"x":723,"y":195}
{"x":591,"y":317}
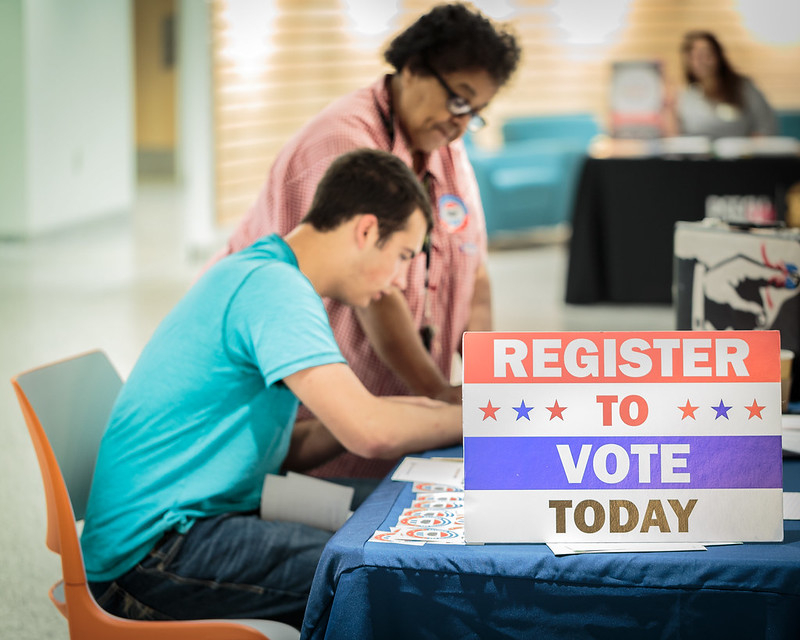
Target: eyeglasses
{"x":460,"y":106}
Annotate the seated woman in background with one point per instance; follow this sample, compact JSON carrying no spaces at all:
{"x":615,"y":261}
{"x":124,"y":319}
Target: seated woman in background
{"x":718,"y":101}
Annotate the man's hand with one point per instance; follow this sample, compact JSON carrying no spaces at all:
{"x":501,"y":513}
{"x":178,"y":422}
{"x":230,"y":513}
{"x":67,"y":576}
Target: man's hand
{"x":311,"y":445}
{"x":450,"y":394}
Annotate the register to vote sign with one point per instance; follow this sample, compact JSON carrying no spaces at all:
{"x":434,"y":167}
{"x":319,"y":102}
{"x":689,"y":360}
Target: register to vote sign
{"x":622,"y":437}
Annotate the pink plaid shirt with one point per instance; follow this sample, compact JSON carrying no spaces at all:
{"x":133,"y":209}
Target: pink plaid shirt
{"x":459,"y":245}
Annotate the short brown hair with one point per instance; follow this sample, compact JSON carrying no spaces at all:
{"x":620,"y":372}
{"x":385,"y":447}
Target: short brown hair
{"x":368,"y":181}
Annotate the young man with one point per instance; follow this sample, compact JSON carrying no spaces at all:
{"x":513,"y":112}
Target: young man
{"x":172,"y":529}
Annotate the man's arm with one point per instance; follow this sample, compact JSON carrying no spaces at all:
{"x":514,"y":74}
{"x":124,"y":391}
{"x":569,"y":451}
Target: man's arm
{"x":390,"y":329}
{"x":312,"y":444}
{"x":370,"y":426}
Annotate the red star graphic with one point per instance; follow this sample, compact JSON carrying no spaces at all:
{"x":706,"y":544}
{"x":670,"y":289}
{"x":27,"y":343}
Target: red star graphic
{"x":556,"y":411}
{"x":755,"y":410}
{"x":688,"y":410}
{"x":489,"y":411}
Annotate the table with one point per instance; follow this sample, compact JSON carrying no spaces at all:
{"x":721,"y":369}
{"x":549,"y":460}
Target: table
{"x":373,"y":590}
{"x":625,"y":212}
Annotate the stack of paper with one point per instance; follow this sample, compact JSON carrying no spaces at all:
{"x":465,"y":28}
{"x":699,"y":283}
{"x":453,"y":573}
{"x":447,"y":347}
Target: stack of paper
{"x":563,"y":549}
{"x":685,"y":145}
{"x":446,"y":471}
{"x":791,"y":505}
{"x":436,"y":514}
{"x":753,"y":146}
{"x":312,"y":501}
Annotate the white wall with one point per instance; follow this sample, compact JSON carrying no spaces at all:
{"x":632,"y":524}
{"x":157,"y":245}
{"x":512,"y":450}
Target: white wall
{"x":77,"y":155}
{"x":12,"y":140}
{"x":195,"y":149}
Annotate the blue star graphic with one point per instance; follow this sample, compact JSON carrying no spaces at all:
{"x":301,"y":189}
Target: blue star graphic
{"x":722,"y":410}
{"x":522,"y":411}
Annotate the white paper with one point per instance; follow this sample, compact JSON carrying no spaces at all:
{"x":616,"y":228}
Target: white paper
{"x":790,"y":424}
{"x":389,"y":536}
{"x":790,"y":421}
{"x":484,"y":509}
{"x":791,"y":505}
{"x":561,"y":549}
{"x":446,"y":472}
{"x":312,"y":501}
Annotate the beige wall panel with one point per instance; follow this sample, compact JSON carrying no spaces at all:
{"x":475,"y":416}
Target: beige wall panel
{"x":155,"y":82}
{"x":312,"y":55}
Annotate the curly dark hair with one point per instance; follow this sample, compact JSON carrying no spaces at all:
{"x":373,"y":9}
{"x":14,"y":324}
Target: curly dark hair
{"x":453,"y":37}
{"x":730,"y":81}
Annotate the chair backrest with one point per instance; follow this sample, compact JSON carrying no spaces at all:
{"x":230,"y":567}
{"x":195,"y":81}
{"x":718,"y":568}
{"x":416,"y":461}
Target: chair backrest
{"x":789,"y":123}
{"x":66,"y":406}
{"x":578,"y":128}
{"x":73,"y":399}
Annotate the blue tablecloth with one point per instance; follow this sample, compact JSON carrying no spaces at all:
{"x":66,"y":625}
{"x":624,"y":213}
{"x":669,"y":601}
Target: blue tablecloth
{"x":366,"y":590}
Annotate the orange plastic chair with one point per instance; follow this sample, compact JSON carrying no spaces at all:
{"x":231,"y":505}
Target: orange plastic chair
{"x":66,"y":406}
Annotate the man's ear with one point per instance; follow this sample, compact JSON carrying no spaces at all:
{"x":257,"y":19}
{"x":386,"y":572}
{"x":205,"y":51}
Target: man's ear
{"x":366,"y":230}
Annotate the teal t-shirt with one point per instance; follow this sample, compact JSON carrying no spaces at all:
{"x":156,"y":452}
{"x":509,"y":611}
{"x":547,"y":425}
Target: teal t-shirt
{"x":204,"y":415}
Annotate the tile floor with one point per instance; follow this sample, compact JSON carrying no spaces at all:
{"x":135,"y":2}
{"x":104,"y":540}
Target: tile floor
{"x":107,"y":285}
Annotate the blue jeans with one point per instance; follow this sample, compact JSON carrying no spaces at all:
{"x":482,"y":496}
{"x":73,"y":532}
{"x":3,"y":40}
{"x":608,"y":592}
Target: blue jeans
{"x":234,"y":565}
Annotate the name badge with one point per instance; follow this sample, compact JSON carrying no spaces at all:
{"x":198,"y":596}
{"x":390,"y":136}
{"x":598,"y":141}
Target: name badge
{"x":453,"y":212}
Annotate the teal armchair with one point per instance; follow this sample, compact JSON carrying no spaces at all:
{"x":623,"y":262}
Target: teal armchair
{"x":529,"y":183}
{"x":789,"y":123}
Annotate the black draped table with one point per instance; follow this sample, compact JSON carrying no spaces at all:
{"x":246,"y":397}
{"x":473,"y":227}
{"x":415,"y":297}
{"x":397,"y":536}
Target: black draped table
{"x":625,"y":213}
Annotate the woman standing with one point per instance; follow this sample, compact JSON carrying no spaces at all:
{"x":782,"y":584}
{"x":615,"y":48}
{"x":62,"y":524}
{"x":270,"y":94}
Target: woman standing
{"x":448,"y":66}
